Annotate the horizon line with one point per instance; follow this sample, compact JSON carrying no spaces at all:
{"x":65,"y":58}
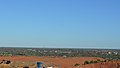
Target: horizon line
{"x":61,"y":47}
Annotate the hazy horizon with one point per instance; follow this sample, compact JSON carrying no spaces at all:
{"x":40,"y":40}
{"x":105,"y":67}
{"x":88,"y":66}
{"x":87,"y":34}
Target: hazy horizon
{"x":60,"y":24}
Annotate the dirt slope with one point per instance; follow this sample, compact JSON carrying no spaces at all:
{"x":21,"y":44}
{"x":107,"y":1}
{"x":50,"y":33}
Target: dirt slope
{"x":111,"y":64}
{"x":63,"y":62}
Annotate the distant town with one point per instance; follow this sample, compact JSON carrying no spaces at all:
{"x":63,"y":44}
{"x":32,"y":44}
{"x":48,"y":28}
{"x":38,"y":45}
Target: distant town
{"x":113,"y":54}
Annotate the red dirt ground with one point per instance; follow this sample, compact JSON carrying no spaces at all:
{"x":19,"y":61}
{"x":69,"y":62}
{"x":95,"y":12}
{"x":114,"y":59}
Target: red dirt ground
{"x":60,"y":61}
{"x":63,"y":62}
{"x":111,"y":64}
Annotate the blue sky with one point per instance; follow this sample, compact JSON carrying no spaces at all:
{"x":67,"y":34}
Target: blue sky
{"x":60,"y":23}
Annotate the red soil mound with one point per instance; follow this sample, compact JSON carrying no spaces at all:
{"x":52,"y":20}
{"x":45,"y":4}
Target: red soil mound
{"x":111,"y":64}
{"x":64,"y":62}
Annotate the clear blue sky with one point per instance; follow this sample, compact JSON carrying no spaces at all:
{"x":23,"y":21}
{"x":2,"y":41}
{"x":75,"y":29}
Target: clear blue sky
{"x":60,"y":23}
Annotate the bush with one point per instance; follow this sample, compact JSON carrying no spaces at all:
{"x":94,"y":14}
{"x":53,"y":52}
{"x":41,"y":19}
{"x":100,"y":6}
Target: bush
{"x":86,"y":62}
{"x":98,"y":60}
{"x":95,"y":61}
{"x":77,"y":64}
{"x":91,"y":62}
